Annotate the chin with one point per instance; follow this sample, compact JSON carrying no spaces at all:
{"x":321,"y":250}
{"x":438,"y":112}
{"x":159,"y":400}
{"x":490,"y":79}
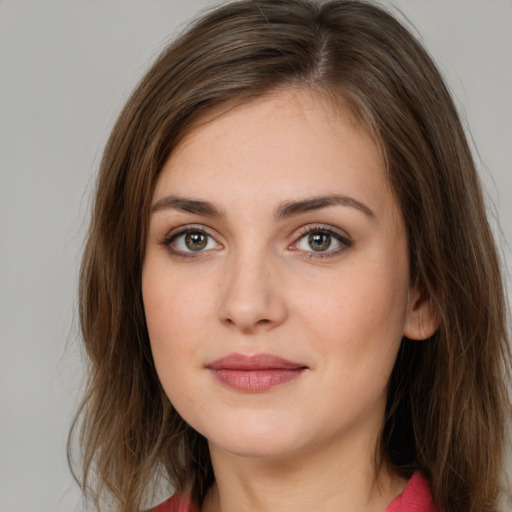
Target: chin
{"x":267,"y":448}
{"x":251,"y":439}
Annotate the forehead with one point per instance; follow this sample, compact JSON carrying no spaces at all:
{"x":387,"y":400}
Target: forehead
{"x":290,"y":142}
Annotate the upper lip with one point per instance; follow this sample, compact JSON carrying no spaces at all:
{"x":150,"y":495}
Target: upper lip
{"x":253,"y":362}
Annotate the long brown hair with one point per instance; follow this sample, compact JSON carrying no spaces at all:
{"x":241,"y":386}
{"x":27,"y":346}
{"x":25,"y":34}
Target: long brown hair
{"x":447,"y":403}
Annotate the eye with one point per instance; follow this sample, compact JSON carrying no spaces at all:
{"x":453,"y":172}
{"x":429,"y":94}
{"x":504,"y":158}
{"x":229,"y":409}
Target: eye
{"x":322,"y":242}
{"x":191,"y":240}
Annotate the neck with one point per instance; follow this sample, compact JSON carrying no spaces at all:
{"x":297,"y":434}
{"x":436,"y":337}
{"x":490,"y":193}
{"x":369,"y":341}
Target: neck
{"x":335,"y":480}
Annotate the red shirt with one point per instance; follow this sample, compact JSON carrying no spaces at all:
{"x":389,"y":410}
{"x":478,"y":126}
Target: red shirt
{"x":415,"y":498}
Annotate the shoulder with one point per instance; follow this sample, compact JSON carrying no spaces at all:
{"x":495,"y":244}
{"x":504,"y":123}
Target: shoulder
{"x":176,"y":503}
{"x":415,"y":498}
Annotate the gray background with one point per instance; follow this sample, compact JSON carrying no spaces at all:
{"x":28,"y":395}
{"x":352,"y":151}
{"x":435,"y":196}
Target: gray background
{"x":65,"y":69}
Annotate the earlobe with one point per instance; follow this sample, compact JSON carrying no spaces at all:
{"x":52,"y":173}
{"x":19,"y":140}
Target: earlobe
{"x":422,"y":316}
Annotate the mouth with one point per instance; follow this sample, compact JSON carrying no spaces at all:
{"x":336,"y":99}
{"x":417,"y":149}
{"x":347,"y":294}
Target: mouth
{"x":254,"y":374}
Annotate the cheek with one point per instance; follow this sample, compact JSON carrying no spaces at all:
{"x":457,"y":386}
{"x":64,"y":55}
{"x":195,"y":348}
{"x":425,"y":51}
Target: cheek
{"x":357,"y":304}
{"x":355,"y":322}
{"x":178,"y":316}
{"x":174,"y":302}
{"x":175,"y":310}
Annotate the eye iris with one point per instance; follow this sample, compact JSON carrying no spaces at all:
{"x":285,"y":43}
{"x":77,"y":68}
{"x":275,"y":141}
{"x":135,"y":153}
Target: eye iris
{"x":195,"y":241}
{"x":319,"y":241}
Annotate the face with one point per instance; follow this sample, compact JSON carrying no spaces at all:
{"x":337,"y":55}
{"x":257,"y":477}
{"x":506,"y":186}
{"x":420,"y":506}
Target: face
{"x":276,"y":280}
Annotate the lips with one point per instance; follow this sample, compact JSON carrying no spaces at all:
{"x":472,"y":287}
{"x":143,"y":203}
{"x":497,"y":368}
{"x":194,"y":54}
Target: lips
{"x":254,"y":374}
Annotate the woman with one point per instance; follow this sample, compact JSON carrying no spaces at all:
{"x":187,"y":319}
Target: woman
{"x":290,"y":293}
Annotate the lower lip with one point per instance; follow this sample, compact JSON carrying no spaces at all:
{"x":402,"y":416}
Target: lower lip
{"x":256,"y":381}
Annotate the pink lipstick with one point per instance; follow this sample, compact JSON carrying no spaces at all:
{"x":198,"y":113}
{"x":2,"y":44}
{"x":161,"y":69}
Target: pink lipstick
{"x":254,"y":374}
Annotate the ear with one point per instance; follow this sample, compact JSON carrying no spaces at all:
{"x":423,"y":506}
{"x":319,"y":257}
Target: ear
{"x":422,"y":316}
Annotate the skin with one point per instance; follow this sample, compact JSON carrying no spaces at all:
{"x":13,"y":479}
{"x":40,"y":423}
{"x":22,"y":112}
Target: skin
{"x":258,"y":286}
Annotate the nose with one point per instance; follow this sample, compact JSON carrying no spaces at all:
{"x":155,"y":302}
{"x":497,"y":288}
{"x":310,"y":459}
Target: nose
{"x":252,"y":296}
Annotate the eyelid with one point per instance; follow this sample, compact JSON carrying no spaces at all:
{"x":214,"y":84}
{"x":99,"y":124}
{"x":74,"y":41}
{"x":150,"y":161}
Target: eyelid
{"x":341,"y":236}
{"x":175,"y":233}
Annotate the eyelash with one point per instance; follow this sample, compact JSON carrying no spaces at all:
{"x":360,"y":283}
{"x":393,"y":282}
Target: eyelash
{"x":344,"y":241}
{"x":182,"y":231}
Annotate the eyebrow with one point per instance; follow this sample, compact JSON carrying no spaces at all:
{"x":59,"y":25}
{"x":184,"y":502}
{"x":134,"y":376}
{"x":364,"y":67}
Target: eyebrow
{"x":186,"y":205}
{"x":292,"y":208}
{"x":284,"y":211}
